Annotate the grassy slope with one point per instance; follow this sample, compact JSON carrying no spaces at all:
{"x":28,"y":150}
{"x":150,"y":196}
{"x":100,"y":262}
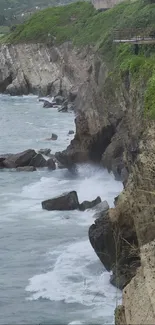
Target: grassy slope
{"x":80,"y":23}
{"x":19,"y":6}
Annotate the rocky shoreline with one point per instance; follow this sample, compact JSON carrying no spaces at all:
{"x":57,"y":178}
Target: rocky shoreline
{"x":111,"y":130}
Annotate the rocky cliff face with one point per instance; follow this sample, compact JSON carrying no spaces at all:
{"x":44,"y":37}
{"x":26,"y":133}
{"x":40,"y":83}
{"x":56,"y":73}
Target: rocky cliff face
{"x":41,"y":69}
{"x":109,"y":129}
{"x":136,"y":207}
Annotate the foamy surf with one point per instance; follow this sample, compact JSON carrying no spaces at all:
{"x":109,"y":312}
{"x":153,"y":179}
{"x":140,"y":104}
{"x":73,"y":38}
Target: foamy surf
{"x":50,"y":272}
{"x":76,"y":277}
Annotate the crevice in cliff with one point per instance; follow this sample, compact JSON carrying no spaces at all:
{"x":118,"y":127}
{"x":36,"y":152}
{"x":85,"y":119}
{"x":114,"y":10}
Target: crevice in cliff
{"x":100,"y":142}
{"x":6,"y":82}
{"x":28,"y":88}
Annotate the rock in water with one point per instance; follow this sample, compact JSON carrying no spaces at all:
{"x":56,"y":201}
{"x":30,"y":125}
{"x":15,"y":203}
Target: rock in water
{"x":102,"y":239}
{"x":20,"y":159}
{"x":38,"y":161}
{"x":45,"y":151}
{"x":26,"y":169}
{"x":47,"y":104}
{"x":70,"y":132}
{"x":51,"y":164}
{"x":64,"y":107}
{"x":89,"y":204}
{"x":54,"y":136}
{"x":59,"y":100}
{"x":101,"y":207}
{"x":67,"y":201}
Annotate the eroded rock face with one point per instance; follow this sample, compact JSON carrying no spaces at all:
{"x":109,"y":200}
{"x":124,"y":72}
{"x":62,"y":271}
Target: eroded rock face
{"x":130,"y":229}
{"x":40,"y":69}
{"x":108,"y":122}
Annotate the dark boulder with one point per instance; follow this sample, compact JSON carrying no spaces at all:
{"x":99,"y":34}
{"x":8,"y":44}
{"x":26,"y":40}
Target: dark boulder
{"x":89,"y":204}
{"x":45,"y":151}
{"x":67,"y":201}
{"x":1,"y":162}
{"x":116,"y":246}
{"x":51,"y":164}
{"x":38,"y":161}
{"x":2,"y":159}
{"x":64,"y":107}
{"x":54,"y":136}
{"x":48,"y":104}
{"x":102,"y":239}
{"x":20,"y":159}
{"x":59,"y":100}
{"x":26,"y":169}
{"x":70,"y":132}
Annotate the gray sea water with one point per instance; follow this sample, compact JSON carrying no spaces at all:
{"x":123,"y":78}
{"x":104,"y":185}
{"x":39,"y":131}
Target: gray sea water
{"x":49,"y":273}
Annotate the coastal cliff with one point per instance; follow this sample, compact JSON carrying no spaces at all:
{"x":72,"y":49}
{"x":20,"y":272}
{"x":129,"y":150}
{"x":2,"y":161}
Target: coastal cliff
{"x":41,"y":69}
{"x":114,"y":109}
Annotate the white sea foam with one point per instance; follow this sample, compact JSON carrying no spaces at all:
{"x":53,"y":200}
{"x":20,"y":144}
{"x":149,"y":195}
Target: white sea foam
{"x":50,"y":248}
{"x":76,"y":277}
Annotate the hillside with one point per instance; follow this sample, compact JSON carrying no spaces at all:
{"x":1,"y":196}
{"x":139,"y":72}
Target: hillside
{"x":83,"y":25}
{"x":17,"y":7}
{"x":16,"y":11}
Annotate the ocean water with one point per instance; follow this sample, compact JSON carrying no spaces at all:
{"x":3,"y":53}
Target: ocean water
{"x":49,"y":273}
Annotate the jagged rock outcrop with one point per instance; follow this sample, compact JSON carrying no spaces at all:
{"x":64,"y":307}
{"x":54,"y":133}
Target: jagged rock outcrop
{"x":108,"y":121}
{"x":41,"y":69}
{"x":85,"y":205}
{"x":124,"y":239}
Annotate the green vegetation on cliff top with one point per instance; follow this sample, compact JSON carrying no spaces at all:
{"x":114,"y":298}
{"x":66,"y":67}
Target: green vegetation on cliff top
{"x":80,"y":23}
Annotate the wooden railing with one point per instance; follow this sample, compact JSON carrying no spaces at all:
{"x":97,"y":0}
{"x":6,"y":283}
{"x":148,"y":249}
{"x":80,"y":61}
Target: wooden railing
{"x":133,"y":35}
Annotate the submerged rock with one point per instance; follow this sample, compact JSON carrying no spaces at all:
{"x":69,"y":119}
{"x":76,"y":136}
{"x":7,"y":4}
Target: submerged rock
{"x":26,"y":169}
{"x":89,"y":204}
{"x":38,"y":161}
{"x":67,"y":201}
